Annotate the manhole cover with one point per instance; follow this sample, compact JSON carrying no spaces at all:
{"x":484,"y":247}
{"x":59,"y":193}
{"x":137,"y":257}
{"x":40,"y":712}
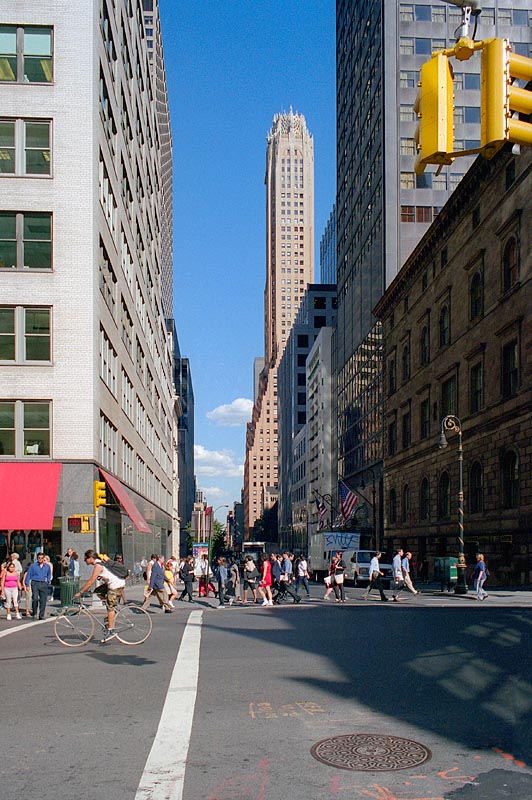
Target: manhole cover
{"x":370,"y":752}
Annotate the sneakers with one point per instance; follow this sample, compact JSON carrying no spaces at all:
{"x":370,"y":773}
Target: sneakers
{"x":231,"y":601}
{"x":221,"y":606}
{"x":18,"y":615}
{"x":265,"y":602}
{"x":111,"y":634}
{"x":8,"y":616}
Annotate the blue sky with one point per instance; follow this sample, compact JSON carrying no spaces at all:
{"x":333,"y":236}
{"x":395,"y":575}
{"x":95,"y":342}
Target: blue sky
{"x":230,"y":67}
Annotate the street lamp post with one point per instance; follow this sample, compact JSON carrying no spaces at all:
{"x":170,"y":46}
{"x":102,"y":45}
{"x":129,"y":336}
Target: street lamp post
{"x":303,"y":517}
{"x":449,"y":424}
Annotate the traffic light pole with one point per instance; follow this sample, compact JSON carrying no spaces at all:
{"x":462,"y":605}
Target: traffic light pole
{"x":96,"y":530}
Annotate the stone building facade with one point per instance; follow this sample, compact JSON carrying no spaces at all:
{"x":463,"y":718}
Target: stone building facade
{"x":458,"y":340}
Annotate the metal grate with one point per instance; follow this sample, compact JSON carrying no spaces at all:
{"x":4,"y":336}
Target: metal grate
{"x":370,"y":752}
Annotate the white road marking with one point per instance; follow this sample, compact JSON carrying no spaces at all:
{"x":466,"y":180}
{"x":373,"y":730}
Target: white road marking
{"x":24,"y":627}
{"x":164,"y":772}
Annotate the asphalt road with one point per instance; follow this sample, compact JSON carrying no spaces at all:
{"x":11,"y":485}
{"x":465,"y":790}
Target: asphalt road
{"x":450,"y":675}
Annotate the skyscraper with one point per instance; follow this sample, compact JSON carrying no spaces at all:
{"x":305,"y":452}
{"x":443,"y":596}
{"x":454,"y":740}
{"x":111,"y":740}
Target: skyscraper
{"x":85,"y":276}
{"x":289,"y":269}
{"x":382,"y":207}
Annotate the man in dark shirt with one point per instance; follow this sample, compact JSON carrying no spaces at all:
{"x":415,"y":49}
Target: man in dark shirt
{"x":40,"y":576}
{"x":156,"y":585}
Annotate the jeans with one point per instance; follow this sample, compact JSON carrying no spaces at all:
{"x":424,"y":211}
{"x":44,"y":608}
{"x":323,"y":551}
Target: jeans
{"x":302,"y":579}
{"x":221,"y":594}
{"x":479,"y":584}
{"x":39,"y":596}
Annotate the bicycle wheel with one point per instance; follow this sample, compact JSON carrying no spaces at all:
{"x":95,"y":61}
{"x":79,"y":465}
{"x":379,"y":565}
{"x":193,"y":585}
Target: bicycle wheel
{"x":74,"y":627}
{"x":132,"y":625}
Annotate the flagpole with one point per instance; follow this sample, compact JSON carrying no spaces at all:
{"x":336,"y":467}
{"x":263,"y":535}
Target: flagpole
{"x":327,"y":499}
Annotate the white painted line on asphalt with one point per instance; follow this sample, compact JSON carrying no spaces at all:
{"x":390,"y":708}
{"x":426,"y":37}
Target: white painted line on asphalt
{"x":24,"y":627}
{"x":164,"y":772}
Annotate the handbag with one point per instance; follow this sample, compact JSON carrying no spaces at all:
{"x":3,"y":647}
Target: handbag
{"x":339,"y":578}
{"x":327,"y":580}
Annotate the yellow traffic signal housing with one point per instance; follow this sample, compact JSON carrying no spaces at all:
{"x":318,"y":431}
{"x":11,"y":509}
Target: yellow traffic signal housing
{"x":100,"y":496}
{"x":434,"y":107}
{"x":499,"y":99}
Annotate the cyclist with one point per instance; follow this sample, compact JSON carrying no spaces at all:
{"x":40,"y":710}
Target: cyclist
{"x":111,"y":590}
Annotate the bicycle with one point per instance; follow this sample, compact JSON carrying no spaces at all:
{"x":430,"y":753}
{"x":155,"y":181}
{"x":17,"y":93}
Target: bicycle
{"x":75,"y":625}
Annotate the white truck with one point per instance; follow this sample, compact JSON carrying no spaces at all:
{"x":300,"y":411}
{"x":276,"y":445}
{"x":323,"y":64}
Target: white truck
{"x":358,"y":568}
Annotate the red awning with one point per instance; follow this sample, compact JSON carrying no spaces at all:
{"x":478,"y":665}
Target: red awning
{"x":28,"y":494}
{"x":127,"y":503}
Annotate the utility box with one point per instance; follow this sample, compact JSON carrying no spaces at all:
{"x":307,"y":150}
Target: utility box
{"x":446,"y":572}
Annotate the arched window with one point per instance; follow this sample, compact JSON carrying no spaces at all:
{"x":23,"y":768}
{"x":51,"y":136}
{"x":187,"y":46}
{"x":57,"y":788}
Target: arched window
{"x":405,"y":506}
{"x":444,"y":496}
{"x":476,"y":300}
{"x":392,"y":383}
{"x":424,"y":346}
{"x":510,"y":264}
{"x":445,"y":326}
{"x":424,"y":499}
{"x":406,"y":362}
{"x":393,"y":506}
{"x":510,"y":479}
{"x":476,"y":488}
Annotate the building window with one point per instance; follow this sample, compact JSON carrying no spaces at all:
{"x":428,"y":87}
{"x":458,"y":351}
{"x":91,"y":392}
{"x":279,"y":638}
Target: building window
{"x":407,"y":180}
{"x":406,"y":46}
{"x":108,"y":363}
{"x":392,"y":375}
{"x":423,"y":47}
{"x":449,"y":404}
{"x":108,"y":280}
{"x":25,"y":240}
{"x":25,"y":334}
{"x":25,"y":147}
{"x":392,"y":438}
{"x":510,"y":264}
{"x":108,"y":444}
{"x":406,"y":430}
{"x":424,"y":419}
{"x":24,"y":428}
{"x":406,"y":12}
{"x":407,"y":146}
{"x":405,"y":361}
{"x":392,"y":506}
{"x":445,"y":327}
{"x":476,"y":299}
{"x":25,"y":54}
{"x":510,"y":479}
{"x":471,"y":114}
{"x":408,"y":214}
{"x":476,"y":388}
{"x":424,"y":181}
{"x":408,"y":79}
{"x":476,"y":490}
{"x":439,"y":182}
{"x":424,"y":499}
{"x":424,"y":346}
{"x":405,"y":505}
{"x":407,"y":113}
{"x":423,"y":213}
{"x":510,"y":370}
{"x":444,"y":496}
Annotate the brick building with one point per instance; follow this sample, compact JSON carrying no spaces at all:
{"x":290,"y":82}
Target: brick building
{"x":458,"y":340}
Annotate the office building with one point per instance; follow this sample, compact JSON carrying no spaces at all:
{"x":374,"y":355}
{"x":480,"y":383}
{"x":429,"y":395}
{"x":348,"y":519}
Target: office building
{"x":289,"y":269}
{"x":85,"y":280}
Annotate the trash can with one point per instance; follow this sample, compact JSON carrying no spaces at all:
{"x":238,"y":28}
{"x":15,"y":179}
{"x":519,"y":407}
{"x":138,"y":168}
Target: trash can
{"x":68,"y":587}
{"x":446,"y":572}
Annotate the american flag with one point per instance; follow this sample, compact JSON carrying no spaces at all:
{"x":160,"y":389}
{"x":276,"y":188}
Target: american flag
{"x":348,"y":501}
{"x":321,"y":513}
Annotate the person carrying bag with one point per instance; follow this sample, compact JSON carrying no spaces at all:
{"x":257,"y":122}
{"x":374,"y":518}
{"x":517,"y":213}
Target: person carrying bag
{"x":338,"y":578}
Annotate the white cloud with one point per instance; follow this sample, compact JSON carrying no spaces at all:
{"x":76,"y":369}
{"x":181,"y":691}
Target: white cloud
{"x":232,"y":414}
{"x":214,"y":493}
{"x":212,"y":463}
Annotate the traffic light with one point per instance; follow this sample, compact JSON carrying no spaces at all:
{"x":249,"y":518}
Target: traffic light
{"x":499,"y":99}
{"x":100,"y":497}
{"x":434,"y":107}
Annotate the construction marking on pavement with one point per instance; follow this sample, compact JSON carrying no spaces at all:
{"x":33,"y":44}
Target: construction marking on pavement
{"x":25,"y":627}
{"x":164,"y":772}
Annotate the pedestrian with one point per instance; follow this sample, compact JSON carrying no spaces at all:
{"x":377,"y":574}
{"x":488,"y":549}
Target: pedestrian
{"x":285,"y":582}
{"x":302,"y":575}
{"x":40,"y":576}
{"x":265,"y":584}
{"x":405,"y":566}
{"x":205,"y":572}
{"x":424,"y":571}
{"x":233,"y":582}
{"x":186,"y":573}
{"x":65,"y":561}
{"x":73,"y":565}
{"x":397,"y":574}
{"x":27,"y":589}
{"x":169,"y":583}
{"x":156,"y":585}
{"x":479,"y":576}
{"x":329,"y":579}
{"x":250,"y":574}
{"x":221,"y":576}
{"x":277,"y":590}
{"x":375,"y":576}
{"x":10,"y":586}
{"x":338,"y":578}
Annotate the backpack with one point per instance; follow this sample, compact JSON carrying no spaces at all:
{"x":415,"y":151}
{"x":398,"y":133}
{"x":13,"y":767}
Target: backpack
{"x":119,"y":570}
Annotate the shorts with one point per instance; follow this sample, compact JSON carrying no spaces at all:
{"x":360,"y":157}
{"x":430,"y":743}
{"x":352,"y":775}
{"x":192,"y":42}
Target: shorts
{"x":250,"y":585}
{"x":112,"y":598}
